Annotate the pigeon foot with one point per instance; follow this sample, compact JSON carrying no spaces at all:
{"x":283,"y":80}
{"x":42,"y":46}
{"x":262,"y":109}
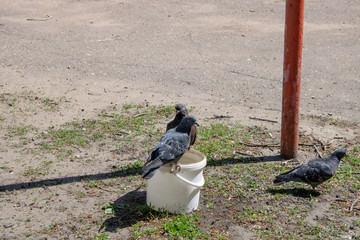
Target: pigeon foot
{"x":175,"y":167}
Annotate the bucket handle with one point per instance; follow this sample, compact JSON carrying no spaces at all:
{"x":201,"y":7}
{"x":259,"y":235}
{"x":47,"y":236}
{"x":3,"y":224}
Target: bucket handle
{"x":190,"y":183}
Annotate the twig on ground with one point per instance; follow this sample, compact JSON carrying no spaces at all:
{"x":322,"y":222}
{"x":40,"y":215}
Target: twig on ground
{"x":106,"y":115}
{"x":244,"y":153}
{"x":351,"y":173}
{"x":221,"y":116}
{"x":78,"y":149}
{"x":322,"y":144}
{"x":317,"y":151}
{"x":104,"y":189}
{"x":289,"y":161}
{"x":352,"y":205}
{"x":309,"y":144}
{"x":121,"y":133}
{"x":47,"y":17}
{"x":274,"y":144}
{"x":139,"y":115}
{"x":260,"y":145}
{"x":263,"y":119}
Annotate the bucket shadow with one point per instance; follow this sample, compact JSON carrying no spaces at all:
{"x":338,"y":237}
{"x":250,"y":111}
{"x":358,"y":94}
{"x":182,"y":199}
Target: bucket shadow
{"x":296,"y":192}
{"x":128,"y":210}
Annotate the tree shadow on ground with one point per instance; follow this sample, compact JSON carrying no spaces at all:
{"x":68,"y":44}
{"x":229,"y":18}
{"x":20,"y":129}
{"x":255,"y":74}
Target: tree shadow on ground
{"x":128,"y":210}
{"x":125,"y":171}
{"x":244,"y":160}
{"x":130,"y":170}
{"x":297,"y":192}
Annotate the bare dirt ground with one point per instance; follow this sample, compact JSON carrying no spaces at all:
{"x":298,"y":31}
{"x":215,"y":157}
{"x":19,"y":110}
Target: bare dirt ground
{"x":64,"y":61}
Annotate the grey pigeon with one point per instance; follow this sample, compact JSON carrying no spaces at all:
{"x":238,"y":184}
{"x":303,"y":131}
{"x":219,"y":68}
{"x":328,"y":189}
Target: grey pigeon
{"x":181,"y":112}
{"x":313,"y":172}
{"x":170,"y":148}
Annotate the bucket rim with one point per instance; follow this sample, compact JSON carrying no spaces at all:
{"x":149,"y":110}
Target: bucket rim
{"x":193,"y":166}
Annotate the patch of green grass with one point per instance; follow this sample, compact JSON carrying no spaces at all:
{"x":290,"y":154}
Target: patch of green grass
{"x":49,"y":104}
{"x":66,"y":137}
{"x":28,"y":101}
{"x":91,"y":183}
{"x":138,"y":232}
{"x":220,"y":141}
{"x":184,"y":226}
{"x":21,"y":130}
{"x":347,"y":175}
{"x":238,"y":183}
{"x":257,"y":215}
{"x":134,"y":126}
{"x":101,"y":236}
{"x":238,"y":190}
{"x":326,"y":230}
{"x":147,"y":213}
{"x":130,"y":169}
{"x":51,"y":229}
{"x":38,"y":171}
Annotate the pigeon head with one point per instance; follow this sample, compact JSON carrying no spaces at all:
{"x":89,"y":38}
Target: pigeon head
{"x":189,"y":120}
{"x":181,"y":109}
{"x":179,"y":106}
{"x":186,"y":124}
{"x":340,"y":153}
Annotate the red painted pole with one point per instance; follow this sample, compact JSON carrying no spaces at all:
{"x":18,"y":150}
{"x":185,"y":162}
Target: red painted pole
{"x":294,"y":19}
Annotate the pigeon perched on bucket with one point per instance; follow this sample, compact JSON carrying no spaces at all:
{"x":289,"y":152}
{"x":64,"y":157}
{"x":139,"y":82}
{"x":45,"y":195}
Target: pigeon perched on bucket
{"x":170,"y":148}
{"x":182,"y":112}
{"x":313,"y":172}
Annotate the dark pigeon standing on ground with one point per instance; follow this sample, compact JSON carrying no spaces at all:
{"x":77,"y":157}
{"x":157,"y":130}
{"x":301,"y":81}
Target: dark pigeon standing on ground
{"x":170,"y":148}
{"x":313,"y":172}
{"x":181,"y":112}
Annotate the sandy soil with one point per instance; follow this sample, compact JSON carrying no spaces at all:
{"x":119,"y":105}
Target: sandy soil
{"x":222,"y":58}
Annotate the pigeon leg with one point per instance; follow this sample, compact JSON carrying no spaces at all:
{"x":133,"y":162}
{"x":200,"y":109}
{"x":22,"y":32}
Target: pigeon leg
{"x":177,"y":167}
{"x":173,"y":167}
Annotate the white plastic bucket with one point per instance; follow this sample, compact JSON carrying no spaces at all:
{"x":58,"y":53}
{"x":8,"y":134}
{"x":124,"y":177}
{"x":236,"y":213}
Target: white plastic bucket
{"x":177,"y":192}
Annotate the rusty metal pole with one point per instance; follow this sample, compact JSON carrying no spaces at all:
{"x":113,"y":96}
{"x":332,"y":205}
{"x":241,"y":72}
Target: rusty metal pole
{"x":294,"y":19}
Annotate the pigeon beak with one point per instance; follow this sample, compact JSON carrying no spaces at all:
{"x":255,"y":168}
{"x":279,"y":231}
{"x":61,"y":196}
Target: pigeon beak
{"x":196,"y":123}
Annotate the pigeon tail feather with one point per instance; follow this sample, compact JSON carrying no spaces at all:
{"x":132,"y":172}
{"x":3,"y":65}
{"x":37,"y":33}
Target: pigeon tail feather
{"x":149,"y":174}
{"x":150,"y":168}
{"x":281,"y":179}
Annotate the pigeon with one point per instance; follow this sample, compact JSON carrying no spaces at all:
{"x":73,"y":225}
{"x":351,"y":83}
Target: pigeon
{"x":313,"y":172}
{"x":170,"y":148}
{"x":181,"y":112}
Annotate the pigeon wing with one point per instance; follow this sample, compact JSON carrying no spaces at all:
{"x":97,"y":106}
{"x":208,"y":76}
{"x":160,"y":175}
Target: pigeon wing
{"x":174,"y":146}
{"x":297,"y":174}
{"x":170,"y":148}
{"x":319,"y":171}
{"x":313,"y":172}
{"x":193,"y":135}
